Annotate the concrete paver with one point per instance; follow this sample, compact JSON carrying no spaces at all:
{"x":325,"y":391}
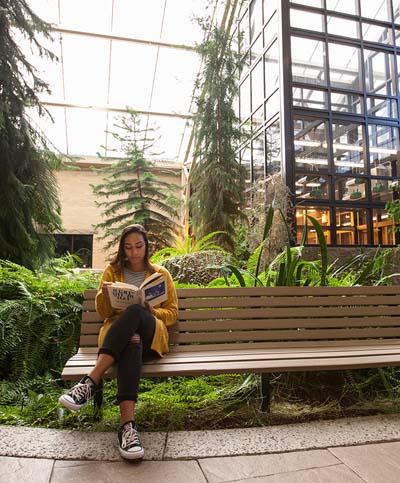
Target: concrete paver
{"x":218,"y":470}
{"x":374,"y":463}
{"x":139,"y":472}
{"x":351,"y":454}
{"x":19,"y":470}
{"x":330,"y":474}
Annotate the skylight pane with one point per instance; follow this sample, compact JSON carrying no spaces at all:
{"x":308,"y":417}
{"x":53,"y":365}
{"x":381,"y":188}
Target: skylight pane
{"x":86,"y":61}
{"x":87,"y":15}
{"x":141,"y":20}
{"x":132,"y":70}
{"x":176,"y":73}
{"x":53,"y":131}
{"x":179,"y":24}
{"x":170,"y":134}
{"x":86,"y":131}
{"x":47,"y":10}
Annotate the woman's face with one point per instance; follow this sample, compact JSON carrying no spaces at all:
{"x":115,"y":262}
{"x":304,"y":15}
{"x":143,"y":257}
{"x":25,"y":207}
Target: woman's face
{"x":135,"y":249}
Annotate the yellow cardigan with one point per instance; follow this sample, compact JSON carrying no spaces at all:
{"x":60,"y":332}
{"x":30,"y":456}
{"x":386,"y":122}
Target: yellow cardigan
{"x":165,"y":313}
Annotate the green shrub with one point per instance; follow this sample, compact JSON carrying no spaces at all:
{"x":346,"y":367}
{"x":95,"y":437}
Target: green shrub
{"x":39,"y":317}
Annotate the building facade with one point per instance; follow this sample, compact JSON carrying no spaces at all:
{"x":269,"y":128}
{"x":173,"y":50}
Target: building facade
{"x":80,"y":213}
{"x":319,"y":96}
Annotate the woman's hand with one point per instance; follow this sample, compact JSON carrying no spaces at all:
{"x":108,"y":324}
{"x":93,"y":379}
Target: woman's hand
{"x":104,"y":290}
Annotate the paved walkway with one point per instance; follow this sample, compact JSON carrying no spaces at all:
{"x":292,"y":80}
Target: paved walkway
{"x":342,"y":451}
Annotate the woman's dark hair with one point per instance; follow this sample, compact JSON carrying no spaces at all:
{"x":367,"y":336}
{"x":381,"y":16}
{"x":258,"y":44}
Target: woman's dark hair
{"x":118,"y":261}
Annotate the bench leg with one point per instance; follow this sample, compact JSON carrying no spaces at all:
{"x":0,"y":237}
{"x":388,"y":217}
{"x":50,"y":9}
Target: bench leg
{"x":98,"y":401}
{"x":265,"y":392}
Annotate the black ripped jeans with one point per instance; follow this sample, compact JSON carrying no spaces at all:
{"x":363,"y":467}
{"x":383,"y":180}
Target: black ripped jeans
{"x":129,"y":355}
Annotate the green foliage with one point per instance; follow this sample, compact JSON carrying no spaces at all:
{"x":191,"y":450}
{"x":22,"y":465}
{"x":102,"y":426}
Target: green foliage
{"x":290,"y":269}
{"x":186,"y":246}
{"x":132,"y":193}
{"x":29,"y":205}
{"x":217,"y":178}
{"x":39,"y":317}
{"x":393,"y":207}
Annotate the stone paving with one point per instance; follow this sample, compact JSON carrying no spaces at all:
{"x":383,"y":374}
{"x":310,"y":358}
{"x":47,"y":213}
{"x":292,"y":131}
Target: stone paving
{"x":342,"y":451}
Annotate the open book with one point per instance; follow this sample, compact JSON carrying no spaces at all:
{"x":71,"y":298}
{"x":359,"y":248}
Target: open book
{"x":153,"y":290}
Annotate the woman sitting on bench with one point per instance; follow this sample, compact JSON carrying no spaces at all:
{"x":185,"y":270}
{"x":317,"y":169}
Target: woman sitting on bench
{"x":127,"y":336}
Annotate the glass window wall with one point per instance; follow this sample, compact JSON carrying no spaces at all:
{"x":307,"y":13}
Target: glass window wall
{"x":376,"y":9}
{"x":383,"y":150}
{"x":383,"y":228}
{"x":271,"y":69}
{"x":348,"y":148}
{"x":310,"y":98}
{"x":301,"y":19}
{"x":308,"y":61}
{"x":343,"y":27}
{"x":379,"y":72}
{"x":351,"y":226}
{"x":350,"y":189}
{"x":347,"y":102}
{"x":377,"y":33}
{"x":344,"y":6}
{"x":345,"y":66}
{"x":312,"y":187}
{"x":321,"y":214}
{"x":258,"y":146}
{"x":273,"y":141}
{"x":310,"y":144}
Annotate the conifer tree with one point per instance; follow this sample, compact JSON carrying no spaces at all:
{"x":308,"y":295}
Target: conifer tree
{"x":133,"y":194}
{"x":217,"y":178}
{"x":29,"y":207}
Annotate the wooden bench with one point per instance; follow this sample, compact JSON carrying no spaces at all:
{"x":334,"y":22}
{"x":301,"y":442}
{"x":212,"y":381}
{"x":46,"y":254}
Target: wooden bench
{"x":264,"y":330}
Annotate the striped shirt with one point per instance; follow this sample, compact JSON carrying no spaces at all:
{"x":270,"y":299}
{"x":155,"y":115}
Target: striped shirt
{"x":134,"y":278}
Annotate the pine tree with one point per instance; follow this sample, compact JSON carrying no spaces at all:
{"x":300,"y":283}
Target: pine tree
{"x":133,"y":194}
{"x":29,"y":206}
{"x":217,"y":178}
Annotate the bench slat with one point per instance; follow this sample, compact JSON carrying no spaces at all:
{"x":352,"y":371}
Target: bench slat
{"x":243,"y":324}
{"x":356,"y":300}
{"x":258,"y":356}
{"x":221,"y":337}
{"x":232,"y":324}
{"x":283,"y":312}
{"x":281,"y":365}
{"x":272,"y":291}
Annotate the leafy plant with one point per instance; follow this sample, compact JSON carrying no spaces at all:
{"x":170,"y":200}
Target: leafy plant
{"x":288,"y":268}
{"x":393,"y":207}
{"x":188,"y":245}
{"x":39,"y":318}
{"x":132,"y":193}
{"x":29,"y":204}
{"x":217,"y":177}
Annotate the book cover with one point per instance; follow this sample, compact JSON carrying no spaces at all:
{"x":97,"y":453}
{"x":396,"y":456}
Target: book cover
{"x":153,"y":290}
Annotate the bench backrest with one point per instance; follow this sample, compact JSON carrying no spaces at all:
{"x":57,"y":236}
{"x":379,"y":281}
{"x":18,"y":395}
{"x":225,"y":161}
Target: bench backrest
{"x":273,"y":316}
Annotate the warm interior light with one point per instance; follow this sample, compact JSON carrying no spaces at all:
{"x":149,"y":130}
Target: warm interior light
{"x":313,"y":184}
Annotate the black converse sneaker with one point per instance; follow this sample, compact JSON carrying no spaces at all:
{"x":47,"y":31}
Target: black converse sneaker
{"x":79,"y":395}
{"x":130,"y":446}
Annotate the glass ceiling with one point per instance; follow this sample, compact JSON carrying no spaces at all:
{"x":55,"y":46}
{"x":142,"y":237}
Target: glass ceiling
{"x":115,"y":54}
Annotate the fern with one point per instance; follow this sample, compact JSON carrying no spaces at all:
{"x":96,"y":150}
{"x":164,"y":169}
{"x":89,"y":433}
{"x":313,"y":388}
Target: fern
{"x":39,"y":318}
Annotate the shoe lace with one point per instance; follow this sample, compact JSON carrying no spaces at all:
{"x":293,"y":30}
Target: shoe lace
{"x":81,"y":390}
{"x":130,"y":437}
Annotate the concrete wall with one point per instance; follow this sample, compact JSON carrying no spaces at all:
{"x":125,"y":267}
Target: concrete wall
{"x":78,"y":209}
